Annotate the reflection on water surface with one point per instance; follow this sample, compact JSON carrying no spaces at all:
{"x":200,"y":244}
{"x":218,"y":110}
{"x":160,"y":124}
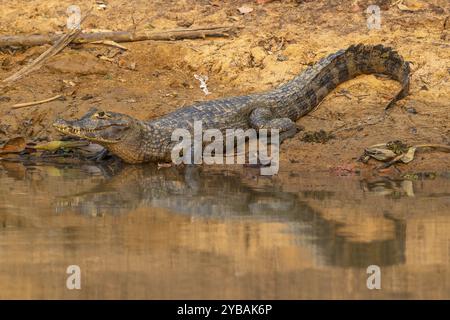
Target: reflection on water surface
{"x":140,"y":232}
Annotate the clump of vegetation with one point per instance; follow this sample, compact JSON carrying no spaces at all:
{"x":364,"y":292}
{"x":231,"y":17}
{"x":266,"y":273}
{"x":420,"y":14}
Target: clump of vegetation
{"x":320,"y":136}
{"x":419,"y":175}
{"x":397,"y":151}
{"x":397,"y":146}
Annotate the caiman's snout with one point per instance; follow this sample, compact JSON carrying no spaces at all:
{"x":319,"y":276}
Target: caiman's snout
{"x":66,"y":127}
{"x":94,"y":127}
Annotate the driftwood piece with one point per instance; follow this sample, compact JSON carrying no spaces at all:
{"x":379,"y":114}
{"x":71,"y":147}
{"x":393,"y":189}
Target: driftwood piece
{"x":120,"y":36}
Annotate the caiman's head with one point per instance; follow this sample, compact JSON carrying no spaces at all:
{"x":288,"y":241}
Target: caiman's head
{"x":98,"y":126}
{"x":119,"y":133}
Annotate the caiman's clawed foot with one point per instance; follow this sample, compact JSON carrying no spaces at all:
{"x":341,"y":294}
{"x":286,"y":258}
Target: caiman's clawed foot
{"x":101,"y":155}
{"x":165,"y":165}
{"x":288,"y":134}
{"x":262,"y":118}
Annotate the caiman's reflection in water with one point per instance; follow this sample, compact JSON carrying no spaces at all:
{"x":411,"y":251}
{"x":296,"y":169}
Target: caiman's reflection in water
{"x":294,"y":230}
{"x":197,"y":193}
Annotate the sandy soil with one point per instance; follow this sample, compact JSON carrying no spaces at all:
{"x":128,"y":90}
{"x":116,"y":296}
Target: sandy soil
{"x":278,"y":40}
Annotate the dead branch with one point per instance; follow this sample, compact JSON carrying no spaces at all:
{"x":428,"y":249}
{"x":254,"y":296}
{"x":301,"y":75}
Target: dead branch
{"x":120,"y":36}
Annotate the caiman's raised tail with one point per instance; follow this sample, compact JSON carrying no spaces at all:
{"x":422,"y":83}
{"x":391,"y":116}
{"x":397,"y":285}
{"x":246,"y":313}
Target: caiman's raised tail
{"x":137,"y":141}
{"x":314,"y":83}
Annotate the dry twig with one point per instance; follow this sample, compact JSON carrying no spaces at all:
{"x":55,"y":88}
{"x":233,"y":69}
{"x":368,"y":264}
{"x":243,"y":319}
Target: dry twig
{"x":60,"y":44}
{"x":33,"y":103}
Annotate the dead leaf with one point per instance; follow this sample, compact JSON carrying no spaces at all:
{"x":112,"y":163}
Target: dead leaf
{"x":164,"y":165}
{"x":402,"y":7}
{"x":245,"y":9}
{"x":105,"y":58}
{"x":101,"y":5}
{"x":410,"y":5}
{"x":69,"y":83}
{"x":409,"y":155}
{"x":14,"y":145}
{"x":55,"y":145}
{"x":380,"y":153}
{"x":110,"y":43}
{"x":396,"y":151}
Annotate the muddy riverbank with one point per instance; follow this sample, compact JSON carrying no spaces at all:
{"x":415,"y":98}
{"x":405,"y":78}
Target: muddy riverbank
{"x":277,"y":41}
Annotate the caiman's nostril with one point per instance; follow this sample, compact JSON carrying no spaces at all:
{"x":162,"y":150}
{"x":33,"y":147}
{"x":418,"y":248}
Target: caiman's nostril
{"x":60,"y":123}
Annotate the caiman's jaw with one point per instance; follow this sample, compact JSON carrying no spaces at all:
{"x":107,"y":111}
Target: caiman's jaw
{"x":96,"y":126}
{"x":94,"y":135}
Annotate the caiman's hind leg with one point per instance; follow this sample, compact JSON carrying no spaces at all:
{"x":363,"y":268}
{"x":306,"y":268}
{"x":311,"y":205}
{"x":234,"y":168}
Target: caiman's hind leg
{"x":263,"y":118}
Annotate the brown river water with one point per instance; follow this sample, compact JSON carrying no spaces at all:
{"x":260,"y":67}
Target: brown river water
{"x":186,"y":233}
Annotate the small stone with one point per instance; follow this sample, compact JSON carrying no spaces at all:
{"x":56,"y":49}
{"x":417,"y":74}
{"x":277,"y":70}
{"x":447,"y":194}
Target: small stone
{"x":411,"y":110}
{"x":124,"y":63}
{"x":186,"y":23}
{"x":87,"y":97}
{"x":132,"y":66}
{"x":281,"y":57}
{"x":258,"y":55}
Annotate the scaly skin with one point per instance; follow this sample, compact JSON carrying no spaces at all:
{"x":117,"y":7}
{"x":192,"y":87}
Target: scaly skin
{"x":136,"y":141}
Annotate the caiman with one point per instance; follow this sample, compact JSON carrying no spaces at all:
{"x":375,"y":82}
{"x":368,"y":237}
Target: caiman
{"x":137,"y":141}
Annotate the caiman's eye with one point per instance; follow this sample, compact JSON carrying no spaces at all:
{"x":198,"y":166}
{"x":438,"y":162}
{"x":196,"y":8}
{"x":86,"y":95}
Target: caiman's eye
{"x":102,"y":115}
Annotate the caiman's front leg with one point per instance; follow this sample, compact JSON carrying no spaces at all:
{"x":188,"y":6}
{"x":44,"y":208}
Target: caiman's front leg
{"x":263,"y":118}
